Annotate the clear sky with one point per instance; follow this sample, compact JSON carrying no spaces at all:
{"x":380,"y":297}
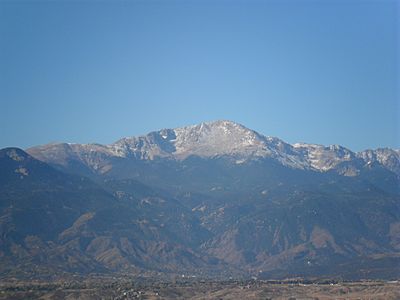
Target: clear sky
{"x":94,"y":71}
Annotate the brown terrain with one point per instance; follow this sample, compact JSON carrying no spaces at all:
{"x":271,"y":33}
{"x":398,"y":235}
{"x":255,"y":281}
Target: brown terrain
{"x":130,"y":289}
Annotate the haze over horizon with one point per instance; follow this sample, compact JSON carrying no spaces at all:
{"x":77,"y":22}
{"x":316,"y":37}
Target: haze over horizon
{"x":323,"y":72}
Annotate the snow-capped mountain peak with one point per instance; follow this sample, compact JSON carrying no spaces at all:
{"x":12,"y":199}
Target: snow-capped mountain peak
{"x":216,"y":139}
{"x":205,"y":139}
{"x":208,"y":139}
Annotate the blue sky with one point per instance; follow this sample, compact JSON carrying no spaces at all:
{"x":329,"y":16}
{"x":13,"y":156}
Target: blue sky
{"x":94,"y":71}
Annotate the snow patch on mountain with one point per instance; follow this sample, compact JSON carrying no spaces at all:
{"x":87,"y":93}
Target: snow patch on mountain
{"x":389,"y":158}
{"x":324,"y":158}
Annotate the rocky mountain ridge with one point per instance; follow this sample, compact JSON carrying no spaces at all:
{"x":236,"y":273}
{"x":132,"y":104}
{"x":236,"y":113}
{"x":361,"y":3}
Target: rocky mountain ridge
{"x":219,"y":138}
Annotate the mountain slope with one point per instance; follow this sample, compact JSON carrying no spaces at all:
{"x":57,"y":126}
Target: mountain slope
{"x":221,"y":198}
{"x":51,"y":222}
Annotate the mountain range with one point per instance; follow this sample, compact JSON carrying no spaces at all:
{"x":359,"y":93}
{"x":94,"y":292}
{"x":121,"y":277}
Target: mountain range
{"x":214,"y":199}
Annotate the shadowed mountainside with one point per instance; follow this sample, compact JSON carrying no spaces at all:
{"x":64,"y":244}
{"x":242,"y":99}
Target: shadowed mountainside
{"x":210,"y":199}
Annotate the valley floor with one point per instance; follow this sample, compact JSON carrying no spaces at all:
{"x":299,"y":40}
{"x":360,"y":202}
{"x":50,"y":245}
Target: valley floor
{"x":125,"y":289}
